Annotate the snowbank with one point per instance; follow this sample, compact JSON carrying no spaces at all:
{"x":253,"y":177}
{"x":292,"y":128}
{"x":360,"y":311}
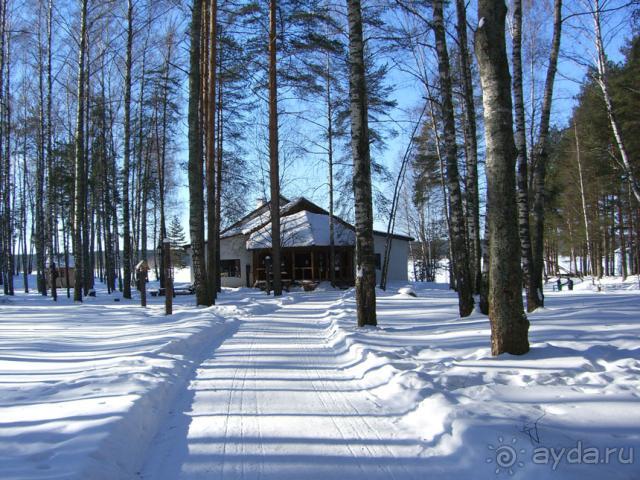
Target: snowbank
{"x":578,"y":388}
{"x":84,"y":387}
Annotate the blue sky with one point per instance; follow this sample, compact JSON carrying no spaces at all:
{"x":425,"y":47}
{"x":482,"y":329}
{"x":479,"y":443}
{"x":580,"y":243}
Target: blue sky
{"x":309,"y":178}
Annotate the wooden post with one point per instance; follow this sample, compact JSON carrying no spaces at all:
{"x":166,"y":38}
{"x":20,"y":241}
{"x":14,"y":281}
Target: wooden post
{"x":293,"y":265}
{"x":313,"y":264}
{"x":168,"y":277}
{"x":267,"y":273}
{"x":143,"y":288}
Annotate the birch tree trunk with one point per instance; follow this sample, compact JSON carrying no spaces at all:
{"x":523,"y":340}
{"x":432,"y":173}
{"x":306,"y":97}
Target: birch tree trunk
{"x":540,"y":157}
{"x":365,"y":257}
{"x":274,"y":170}
{"x":196,"y":194}
{"x":509,"y":324}
{"x":80,"y":180}
{"x":126,"y":228}
{"x":10,"y":183}
{"x":332,"y":242}
{"x":522,"y":161}
{"x":471,"y":144}
{"x":5,"y":168}
{"x":602,"y":73}
{"x":53,"y":222}
{"x":458,"y":241}
{"x":585,"y":213}
{"x":623,"y":241}
{"x":40,"y":166}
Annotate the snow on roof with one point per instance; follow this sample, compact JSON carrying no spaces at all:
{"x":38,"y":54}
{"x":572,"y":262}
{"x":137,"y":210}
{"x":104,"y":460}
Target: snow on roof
{"x":256,"y":222}
{"x":256,"y":219}
{"x":259,"y":220}
{"x":303,"y":229}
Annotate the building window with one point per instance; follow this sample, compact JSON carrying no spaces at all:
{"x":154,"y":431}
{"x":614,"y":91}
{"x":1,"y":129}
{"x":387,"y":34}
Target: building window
{"x":230,"y":268}
{"x":378,"y":261}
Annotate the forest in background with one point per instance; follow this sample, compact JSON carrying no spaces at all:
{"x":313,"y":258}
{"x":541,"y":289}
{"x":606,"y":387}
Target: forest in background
{"x":110,"y":108}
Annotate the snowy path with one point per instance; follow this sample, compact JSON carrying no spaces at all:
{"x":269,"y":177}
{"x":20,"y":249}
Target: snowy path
{"x":290,"y":388}
{"x":274,"y":401}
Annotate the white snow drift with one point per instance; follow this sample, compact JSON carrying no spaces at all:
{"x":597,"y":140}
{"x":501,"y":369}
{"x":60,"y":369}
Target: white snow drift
{"x":289,"y":388}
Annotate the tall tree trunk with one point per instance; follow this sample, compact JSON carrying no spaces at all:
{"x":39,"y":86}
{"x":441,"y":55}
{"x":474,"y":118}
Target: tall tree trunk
{"x":443,"y":185}
{"x":540,"y":157}
{"x":51,"y":212}
{"x":483,"y":304}
{"x":522,"y":174}
{"x":332,"y":241}
{"x":471,"y":144}
{"x":196,"y":193}
{"x":602,"y":73}
{"x":87,"y":272}
{"x":40,"y":166}
{"x":458,"y":241}
{"x":509,"y":324}
{"x":274,"y":167}
{"x":585,"y":215}
{"x":126,"y":220}
{"x":211,"y":85}
{"x":365,"y":256}
{"x":162,"y":156}
{"x":8,"y":153}
{"x":23,"y":214}
{"x":5,"y":164}
{"x":219,"y":166}
{"x":80,"y":180}
{"x":143,"y":154}
{"x":623,"y":241}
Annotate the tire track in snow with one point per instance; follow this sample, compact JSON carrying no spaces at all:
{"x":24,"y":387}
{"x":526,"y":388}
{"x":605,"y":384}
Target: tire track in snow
{"x":328,"y":410}
{"x":291,"y":410}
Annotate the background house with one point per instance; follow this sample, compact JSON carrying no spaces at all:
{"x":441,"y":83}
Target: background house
{"x":305,"y":247}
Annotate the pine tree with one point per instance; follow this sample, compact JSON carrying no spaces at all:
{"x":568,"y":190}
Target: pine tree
{"x":274,"y":170}
{"x":196,"y":192}
{"x":365,"y":259}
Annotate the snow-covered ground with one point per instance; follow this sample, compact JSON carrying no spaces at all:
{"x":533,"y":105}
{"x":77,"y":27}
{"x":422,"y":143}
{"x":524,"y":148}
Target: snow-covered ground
{"x":84,"y":387}
{"x":284,"y":388}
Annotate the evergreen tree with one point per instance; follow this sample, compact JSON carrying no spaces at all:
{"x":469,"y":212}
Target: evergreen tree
{"x":178,"y":240}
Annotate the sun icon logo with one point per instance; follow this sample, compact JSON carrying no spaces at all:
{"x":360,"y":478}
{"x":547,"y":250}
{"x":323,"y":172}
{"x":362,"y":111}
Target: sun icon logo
{"x":506,"y":456}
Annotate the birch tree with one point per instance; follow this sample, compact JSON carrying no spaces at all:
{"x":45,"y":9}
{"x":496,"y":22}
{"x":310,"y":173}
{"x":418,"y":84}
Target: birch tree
{"x":79,"y":163}
{"x":509,"y":324}
{"x":458,"y":238}
{"x":601,"y":75}
{"x":126,"y":216}
{"x":522,"y":160}
{"x":471,"y":147}
{"x":541,"y":155}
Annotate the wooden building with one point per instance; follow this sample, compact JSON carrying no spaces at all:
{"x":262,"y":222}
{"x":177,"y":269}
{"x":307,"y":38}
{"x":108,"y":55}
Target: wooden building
{"x":304,"y":226}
